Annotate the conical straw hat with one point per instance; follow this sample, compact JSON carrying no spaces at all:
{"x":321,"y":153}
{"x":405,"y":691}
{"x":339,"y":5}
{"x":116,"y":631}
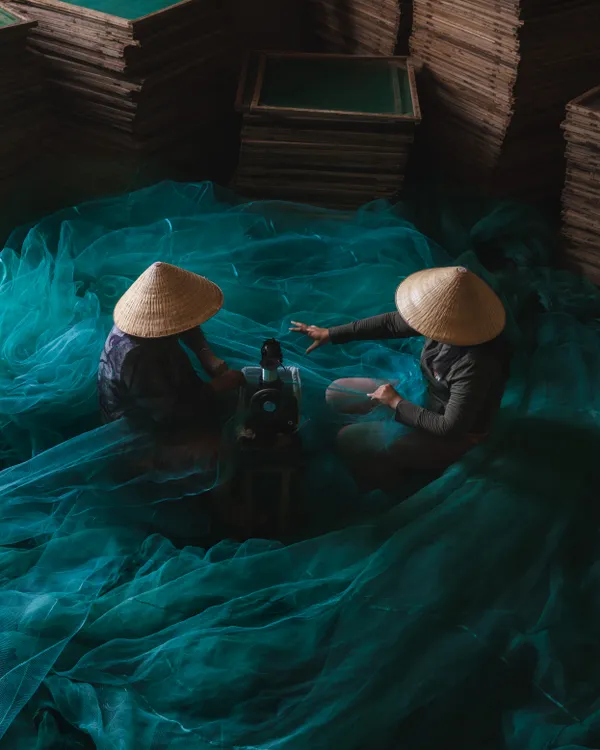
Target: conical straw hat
{"x":452,"y":306}
{"x":166,"y":300}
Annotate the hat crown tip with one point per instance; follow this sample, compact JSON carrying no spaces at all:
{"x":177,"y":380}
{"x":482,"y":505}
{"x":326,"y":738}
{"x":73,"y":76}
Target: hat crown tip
{"x":458,"y":277}
{"x":159,"y":271}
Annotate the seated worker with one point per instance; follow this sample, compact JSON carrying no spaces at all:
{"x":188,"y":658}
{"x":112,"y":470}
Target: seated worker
{"x":465,"y":362}
{"x":146,"y":376}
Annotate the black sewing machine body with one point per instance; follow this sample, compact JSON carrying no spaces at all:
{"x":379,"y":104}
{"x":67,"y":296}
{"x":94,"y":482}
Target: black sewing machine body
{"x":270,"y":401}
{"x":270,"y":410}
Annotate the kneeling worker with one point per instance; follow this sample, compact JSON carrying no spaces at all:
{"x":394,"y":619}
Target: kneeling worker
{"x":465,"y":362}
{"x":146,"y":376}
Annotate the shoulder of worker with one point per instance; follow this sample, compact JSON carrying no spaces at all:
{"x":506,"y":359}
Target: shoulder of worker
{"x":193,"y":336}
{"x":118,"y":341}
{"x":493,"y":354}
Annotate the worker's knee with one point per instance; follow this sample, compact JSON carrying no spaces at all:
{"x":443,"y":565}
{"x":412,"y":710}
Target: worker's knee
{"x":351,"y":395}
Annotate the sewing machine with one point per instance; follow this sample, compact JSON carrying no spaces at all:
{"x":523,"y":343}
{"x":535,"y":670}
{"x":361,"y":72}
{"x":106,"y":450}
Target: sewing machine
{"x":268,"y":446}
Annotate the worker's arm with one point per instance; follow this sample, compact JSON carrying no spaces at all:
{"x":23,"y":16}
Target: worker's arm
{"x":387,"y":326}
{"x":153,"y":398}
{"x":196,"y":342}
{"x":468,"y":393}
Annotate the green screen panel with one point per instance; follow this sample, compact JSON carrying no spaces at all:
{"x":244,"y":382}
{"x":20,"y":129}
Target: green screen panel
{"x":128,"y":9}
{"x":346,"y":85}
{"x":6,"y":19}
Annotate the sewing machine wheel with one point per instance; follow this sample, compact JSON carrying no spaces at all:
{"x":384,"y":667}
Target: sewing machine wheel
{"x":275,"y":408}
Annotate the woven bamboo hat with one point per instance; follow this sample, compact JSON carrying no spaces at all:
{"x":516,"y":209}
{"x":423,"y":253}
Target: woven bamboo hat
{"x":166,"y":300}
{"x":452,"y":306}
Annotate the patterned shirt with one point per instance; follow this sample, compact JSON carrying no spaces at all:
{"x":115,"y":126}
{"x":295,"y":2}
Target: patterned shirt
{"x":154,"y":381}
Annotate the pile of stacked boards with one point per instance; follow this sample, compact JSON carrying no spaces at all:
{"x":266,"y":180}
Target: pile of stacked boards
{"x":361,"y":27}
{"x":581,"y":194}
{"x":496,"y":80}
{"x":134,"y":86}
{"x":329,"y":130}
{"x":21,"y":113}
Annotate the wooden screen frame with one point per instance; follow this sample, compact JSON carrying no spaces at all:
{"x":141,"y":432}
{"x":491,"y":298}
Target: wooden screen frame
{"x":580,"y":101}
{"x":15,"y":29}
{"x":96,"y":15}
{"x":255,"y":108}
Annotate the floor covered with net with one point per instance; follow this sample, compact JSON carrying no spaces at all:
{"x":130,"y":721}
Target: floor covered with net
{"x":467,"y":611}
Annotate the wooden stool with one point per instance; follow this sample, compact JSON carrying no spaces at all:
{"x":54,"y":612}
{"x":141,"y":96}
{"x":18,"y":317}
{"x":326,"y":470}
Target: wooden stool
{"x":279,"y":460}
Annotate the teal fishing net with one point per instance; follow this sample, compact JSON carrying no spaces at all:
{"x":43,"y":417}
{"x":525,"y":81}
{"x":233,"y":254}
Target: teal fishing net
{"x":469,"y":611}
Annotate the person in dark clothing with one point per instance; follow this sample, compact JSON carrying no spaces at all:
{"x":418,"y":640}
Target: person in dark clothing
{"x":465,"y":362}
{"x":153,"y":381}
{"x":146,"y":376}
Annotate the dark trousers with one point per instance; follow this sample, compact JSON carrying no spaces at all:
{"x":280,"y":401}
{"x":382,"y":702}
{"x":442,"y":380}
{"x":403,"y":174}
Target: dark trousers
{"x":373,"y":450}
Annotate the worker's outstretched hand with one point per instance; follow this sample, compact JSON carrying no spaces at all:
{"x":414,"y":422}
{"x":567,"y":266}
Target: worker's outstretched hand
{"x":319,"y":336}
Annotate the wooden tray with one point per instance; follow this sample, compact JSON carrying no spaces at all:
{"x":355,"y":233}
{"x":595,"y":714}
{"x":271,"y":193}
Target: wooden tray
{"x":13,"y":26}
{"x":293,"y":85}
{"x":137,"y":26}
{"x":493,"y":94}
{"x":304,"y":141}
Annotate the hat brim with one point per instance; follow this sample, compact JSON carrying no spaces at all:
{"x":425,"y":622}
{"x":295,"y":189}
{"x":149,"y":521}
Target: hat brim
{"x":156,"y":314}
{"x":477,"y":325}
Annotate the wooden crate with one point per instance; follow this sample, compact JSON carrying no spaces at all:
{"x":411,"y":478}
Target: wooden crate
{"x":291,"y":84}
{"x":127,"y":81}
{"x":495,"y":79}
{"x":332,"y":130}
{"x":112,"y":42}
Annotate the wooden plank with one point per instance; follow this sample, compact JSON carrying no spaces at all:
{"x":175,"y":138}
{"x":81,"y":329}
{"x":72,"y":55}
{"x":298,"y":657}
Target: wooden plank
{"x":331,"y":156}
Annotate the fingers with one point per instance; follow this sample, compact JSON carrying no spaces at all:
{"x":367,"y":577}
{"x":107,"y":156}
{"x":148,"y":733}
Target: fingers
{"x":312,"y":331}
{"x":299,"y":327}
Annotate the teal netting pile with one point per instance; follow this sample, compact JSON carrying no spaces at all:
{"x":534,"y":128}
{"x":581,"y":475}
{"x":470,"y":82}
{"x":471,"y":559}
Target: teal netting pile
{"x":466,"y":615}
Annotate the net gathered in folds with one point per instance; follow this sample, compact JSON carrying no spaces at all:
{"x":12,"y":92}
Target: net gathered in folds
{"x":468,"y":611}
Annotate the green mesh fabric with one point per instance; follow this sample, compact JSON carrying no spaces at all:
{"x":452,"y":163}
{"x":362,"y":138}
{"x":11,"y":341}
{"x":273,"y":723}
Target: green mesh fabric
{"x":6,"y":19}
{"x":466,"y":615}
{"x":342,"y":85}
{"x":133,"y":10}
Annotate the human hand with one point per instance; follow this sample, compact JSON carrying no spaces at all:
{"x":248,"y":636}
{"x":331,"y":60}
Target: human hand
{"x":386,"y":395}
{"x":228,"y":381}
{"x":320,"y":336}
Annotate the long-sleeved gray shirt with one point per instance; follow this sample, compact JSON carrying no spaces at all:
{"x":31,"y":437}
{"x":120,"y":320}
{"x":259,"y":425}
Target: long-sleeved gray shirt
{"x":465,"y":385}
